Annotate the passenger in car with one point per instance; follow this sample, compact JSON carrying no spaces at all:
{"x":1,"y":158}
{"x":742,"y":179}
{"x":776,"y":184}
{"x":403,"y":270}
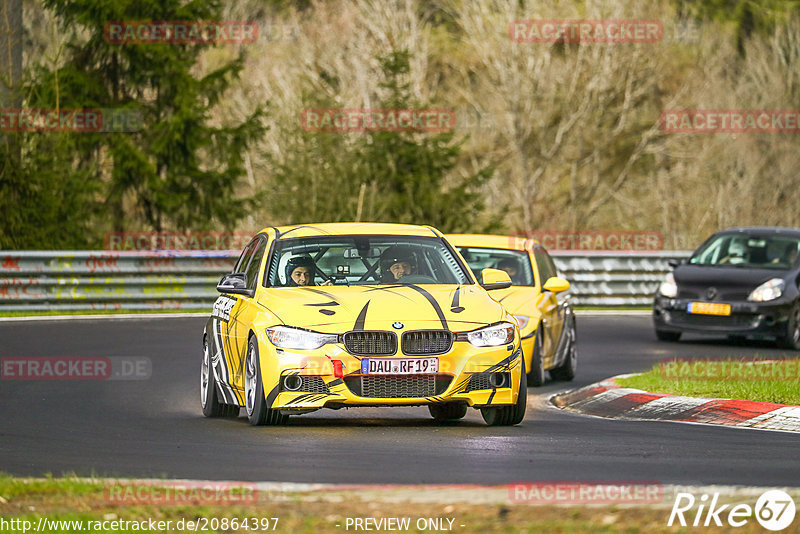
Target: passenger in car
{"x":300,"y":271}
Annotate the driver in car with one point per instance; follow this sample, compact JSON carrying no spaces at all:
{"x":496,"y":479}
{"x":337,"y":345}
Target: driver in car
{"x":789,"y":255}
{"x":511,"y":267}
{"x":396,"y":262}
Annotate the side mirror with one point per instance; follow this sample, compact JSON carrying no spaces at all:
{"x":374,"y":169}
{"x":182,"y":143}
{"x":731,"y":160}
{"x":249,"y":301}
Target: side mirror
{"x":555,"y":284}
{"x":235,"y":283}
{"x":494,"y":279}
{"x":674,"y":262}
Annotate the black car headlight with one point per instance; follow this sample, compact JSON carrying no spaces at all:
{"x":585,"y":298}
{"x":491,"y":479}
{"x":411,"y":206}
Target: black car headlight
{"x":668,"y":287}
{"x":769,"y":290}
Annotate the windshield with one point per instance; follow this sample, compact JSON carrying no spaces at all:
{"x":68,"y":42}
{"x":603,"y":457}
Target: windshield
{"x":363,"y":259}
{"x":516,"y":263}
{"x":742,"y":250}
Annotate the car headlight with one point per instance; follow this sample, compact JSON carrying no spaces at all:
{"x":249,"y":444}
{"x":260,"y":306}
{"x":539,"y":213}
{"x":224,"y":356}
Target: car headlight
{"x":769,"y":290}
{"x":287,"y":337}
{"x":489,"y":336}
{"x":668,"y":287}
{"x":523,"y":321}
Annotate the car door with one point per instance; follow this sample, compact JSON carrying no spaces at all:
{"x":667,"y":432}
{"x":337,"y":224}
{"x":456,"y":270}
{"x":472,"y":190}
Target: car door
{"x":231,"y":310}
{"x":551,"y":307}
{"x":243,"y":312}
{"x":223,"y":314}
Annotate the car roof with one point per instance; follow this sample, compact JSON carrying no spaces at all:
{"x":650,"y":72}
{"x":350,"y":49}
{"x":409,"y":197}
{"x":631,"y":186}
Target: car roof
{"x":506,"y":242}
{"x":350,"y":228}
{"x":778,"y":230}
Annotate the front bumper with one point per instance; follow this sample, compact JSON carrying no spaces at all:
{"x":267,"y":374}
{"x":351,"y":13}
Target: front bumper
{"x":463,"y":376}
{"x":746,"y":318}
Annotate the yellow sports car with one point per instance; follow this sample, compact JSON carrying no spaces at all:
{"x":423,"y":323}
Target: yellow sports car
{"x":536,"y":299}
{"x":347,"y":314}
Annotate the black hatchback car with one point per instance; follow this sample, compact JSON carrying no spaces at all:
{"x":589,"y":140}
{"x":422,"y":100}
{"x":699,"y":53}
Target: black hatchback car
{"x":740,"y":282}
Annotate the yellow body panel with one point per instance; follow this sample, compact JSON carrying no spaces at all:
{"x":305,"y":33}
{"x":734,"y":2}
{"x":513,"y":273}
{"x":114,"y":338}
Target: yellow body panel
{"x":492,"y":241}
{"x":531,"y":301}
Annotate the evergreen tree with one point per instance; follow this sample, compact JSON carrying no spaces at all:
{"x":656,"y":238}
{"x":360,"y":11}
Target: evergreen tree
{"x":381,"y":176}
{"x":176,"y":172}
{"x":413,"y":168}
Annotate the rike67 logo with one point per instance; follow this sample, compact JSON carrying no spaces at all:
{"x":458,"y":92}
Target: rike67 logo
{"x":774,"y":510}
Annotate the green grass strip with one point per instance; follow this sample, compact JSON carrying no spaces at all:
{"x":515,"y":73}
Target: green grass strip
{"x":755,"y":379}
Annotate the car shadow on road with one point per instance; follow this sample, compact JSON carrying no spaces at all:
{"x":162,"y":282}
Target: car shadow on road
{"x":356,"y":421}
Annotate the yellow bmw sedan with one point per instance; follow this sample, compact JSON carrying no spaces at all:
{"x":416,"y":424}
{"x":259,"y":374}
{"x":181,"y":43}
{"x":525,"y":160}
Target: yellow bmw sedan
{"x":360,"y":314}
{"x":537,"y":299}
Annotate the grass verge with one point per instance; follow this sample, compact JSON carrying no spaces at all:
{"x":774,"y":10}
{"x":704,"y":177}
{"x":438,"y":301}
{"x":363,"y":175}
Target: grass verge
{"x":86,"y":503}
{"x":753,"y":379}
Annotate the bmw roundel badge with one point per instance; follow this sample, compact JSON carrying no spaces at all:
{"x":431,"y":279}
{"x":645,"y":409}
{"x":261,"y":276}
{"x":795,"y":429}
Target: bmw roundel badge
{"x":397,"y":325}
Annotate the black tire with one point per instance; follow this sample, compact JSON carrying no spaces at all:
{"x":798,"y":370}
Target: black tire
{"x":449,"y":411}
{"x":791,"y":337}
{"x":536,"y":375}
{"x":255,"y":403}
{"x":209,"y":400}
{"x":665,"y":335}
{"x":509,"y":415}
{"x":566,"y":371}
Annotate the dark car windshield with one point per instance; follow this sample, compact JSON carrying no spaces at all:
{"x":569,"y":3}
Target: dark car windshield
{"x":366,"y":259}
{"x":743,"y":250}
{"x":516,"y":263}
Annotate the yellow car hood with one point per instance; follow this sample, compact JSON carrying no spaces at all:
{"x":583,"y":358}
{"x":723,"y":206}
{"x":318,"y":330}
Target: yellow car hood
{"x":521,"y":300}
{"x":375,"y":307}
{"x":517,"y":300}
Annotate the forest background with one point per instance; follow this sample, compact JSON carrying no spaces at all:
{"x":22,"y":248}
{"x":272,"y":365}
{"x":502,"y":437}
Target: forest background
{"x":556,"y":136}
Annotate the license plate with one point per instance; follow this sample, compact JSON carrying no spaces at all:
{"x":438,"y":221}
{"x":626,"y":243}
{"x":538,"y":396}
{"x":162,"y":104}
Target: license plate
{"x":709,"y":308}
{"x":399,"y":366}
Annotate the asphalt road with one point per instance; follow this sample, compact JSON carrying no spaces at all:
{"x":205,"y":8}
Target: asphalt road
{"x":154,"y":427}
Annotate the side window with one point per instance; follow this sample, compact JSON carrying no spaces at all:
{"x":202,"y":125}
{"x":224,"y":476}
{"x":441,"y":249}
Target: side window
{"x":546,"y":267}
{"x":551,"y":264}
{"x":246,"y":256}
{"x":255,"y":263}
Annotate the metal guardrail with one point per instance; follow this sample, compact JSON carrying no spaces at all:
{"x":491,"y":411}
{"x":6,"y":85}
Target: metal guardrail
{"x":102,"y":280}
{"x":614,"y":278}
